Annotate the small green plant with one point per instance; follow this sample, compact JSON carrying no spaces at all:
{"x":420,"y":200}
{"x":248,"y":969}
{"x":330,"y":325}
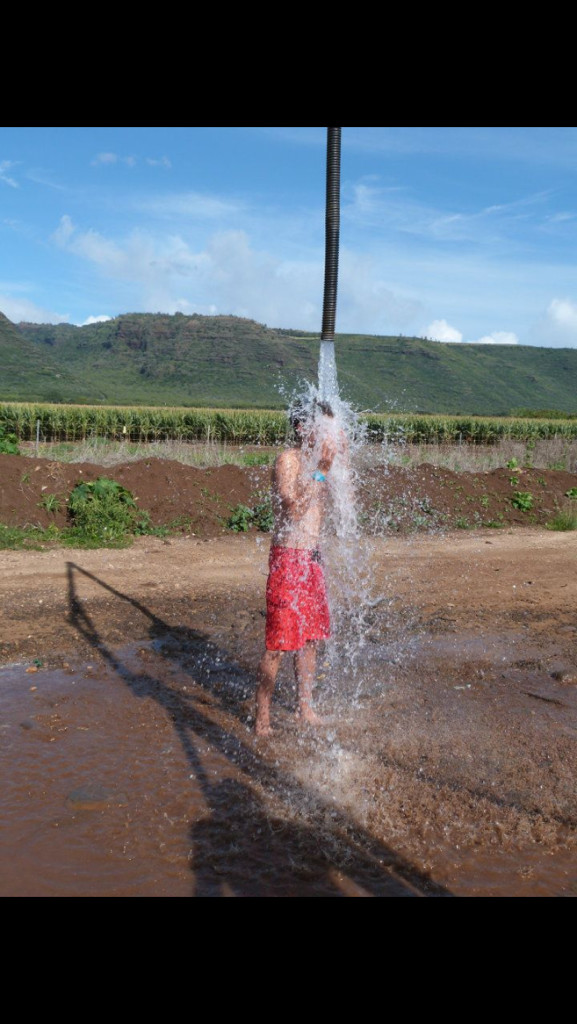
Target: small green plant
{"x":571,"y":493}
{"x":50,"y":503}
{"x":513,"y":480}
{"x":263,"y":515}
{"x":512,"y":464}
{"x":240,"y":519}
{"x":484,"y":500}
{"x":425,"y":506}
{"x":541,"y":480}
{"x":260,"y":516}
{"x":462,"y":523}
{"x":522,"y":500}
{"x":8,"y":443}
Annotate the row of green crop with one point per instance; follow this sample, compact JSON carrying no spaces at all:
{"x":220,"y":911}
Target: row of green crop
{"x":241,"y":426}
{"x":429,"y":429}
{"x":80,"y":423}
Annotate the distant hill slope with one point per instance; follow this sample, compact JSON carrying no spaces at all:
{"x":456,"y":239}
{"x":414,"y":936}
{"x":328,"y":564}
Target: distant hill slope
{"x":32,"y":372}
{"x":153,"y":359}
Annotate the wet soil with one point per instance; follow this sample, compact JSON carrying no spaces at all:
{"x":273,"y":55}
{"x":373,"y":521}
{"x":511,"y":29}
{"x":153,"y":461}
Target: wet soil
{"x":445,"y":765}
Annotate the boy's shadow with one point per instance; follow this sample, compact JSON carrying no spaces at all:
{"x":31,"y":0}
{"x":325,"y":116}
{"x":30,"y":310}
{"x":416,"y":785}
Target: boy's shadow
{"x":243,"y":848}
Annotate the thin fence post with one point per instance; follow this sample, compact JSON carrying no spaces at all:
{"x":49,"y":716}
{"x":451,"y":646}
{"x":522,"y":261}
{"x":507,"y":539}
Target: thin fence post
{"x":37,"y":435}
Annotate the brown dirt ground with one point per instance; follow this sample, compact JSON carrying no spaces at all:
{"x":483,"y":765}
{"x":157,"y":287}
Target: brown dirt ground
{"x":459,"y":748}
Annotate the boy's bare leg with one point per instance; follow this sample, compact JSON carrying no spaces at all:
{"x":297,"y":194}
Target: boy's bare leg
{"x":266,"y":676}
{"x":305,"y":664}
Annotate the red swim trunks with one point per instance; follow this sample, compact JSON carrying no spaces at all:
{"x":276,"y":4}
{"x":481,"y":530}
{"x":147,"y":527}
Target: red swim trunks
{"x":296,"y":599}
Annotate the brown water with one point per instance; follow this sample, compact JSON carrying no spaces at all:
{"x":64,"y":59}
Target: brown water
{"x":137,"y":775}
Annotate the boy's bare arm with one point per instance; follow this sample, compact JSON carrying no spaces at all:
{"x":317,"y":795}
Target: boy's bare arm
{"x":288,"y":480}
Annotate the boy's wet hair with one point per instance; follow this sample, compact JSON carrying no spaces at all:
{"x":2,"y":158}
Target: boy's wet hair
{"x":300,"y":416}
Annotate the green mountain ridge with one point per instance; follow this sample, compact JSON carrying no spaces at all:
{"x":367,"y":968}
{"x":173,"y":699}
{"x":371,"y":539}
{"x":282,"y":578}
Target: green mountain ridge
{"x":228,"y":361}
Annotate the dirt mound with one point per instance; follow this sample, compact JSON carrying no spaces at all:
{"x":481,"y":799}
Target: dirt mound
{"x":197,"y":500}
{"x":395,"y":499}
{"x":34,"y":492}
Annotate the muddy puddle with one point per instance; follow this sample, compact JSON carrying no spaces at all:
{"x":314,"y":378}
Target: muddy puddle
{"x":448,"y":770}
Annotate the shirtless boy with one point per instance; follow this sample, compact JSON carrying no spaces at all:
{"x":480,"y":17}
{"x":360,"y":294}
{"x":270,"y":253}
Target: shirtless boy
{"x":297,"y":608}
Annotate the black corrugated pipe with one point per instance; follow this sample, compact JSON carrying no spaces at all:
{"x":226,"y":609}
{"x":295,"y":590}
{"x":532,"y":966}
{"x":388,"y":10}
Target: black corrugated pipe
{"x":332,"y":233}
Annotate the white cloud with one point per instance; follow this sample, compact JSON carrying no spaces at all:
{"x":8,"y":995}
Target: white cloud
{"x":496,"y":338}
{"x":105,"y":158}
{"x":440,"y":330}
{"x":112,"y":258}
{"x":193,"y":205}
{"x":112,"y":158}
{"x":5,"y":167}
{"x":558,"y":326}
{"x":229,"y":272}
{"x":560,"y":217}
{"x":162,"y":162}
{"x":367,"y":303}
{"x":95,"y":320}
{"x":564,"y":313}
{"x":21,"y":309}
{"x":64,"y":231}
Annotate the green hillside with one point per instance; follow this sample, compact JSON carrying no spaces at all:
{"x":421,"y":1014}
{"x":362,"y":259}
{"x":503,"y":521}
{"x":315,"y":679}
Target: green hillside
{"x":153,"y":359}
{"x":29,"y":369}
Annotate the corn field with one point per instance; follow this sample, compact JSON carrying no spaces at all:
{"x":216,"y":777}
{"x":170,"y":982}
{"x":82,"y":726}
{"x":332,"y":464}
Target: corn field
{"x":29,"y":421}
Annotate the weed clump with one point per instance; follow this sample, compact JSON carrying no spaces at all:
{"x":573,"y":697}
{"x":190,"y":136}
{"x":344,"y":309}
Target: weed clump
{"x":260,"y":516}
{"x":105,"y":512}
{"x":8,"y":443}
{"x":523,"y":500}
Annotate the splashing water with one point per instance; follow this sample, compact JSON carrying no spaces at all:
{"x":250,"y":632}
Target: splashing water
{"x":345,"y":550}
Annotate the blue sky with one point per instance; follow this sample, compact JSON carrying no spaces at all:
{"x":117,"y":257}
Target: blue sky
{"x":458,"y":234}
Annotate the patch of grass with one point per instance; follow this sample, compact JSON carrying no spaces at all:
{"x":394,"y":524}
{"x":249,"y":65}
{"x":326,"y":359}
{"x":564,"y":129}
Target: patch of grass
{"x":564,"y":520}
{"x":258,"y":458}
{"x":50,"y":503}
{"x":27,"y":538}
{"x":571,"y":493}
